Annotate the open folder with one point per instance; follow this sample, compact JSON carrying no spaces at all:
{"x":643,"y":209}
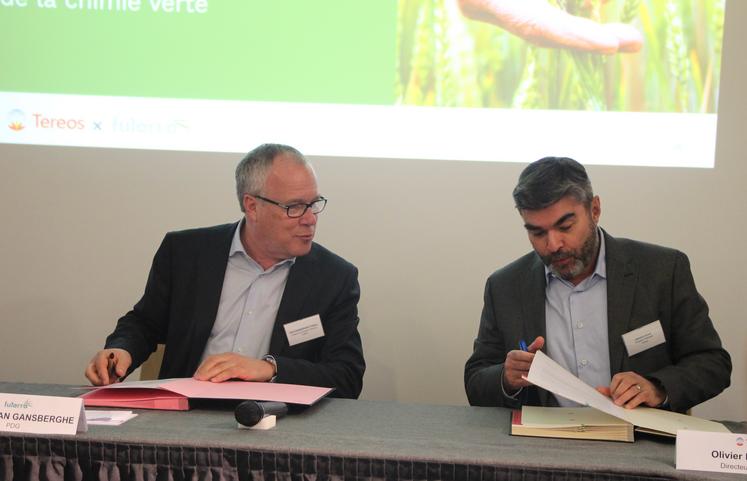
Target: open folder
{"x":549,"y":375}
{"x":174,"y":394}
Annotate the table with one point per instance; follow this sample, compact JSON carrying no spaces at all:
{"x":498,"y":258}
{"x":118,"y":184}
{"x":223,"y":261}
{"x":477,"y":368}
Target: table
{"x":335,"y":440}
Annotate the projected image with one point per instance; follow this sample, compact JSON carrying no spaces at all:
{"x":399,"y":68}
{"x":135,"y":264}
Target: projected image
{"x":466,"y":80}
{"x":613,"y":55}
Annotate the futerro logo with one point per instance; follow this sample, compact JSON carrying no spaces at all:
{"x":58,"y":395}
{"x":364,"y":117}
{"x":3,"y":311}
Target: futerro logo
{"x":16,"y":120}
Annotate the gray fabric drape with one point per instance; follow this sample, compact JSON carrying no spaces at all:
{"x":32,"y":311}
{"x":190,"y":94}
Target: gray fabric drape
{"x":337,"y":440}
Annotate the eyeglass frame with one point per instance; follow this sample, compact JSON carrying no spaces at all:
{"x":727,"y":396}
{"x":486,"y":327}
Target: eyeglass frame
{"x":289,"y":207}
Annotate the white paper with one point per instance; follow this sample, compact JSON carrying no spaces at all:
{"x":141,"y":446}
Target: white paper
{"x":549,"y":375}
{"x":108,"y":418}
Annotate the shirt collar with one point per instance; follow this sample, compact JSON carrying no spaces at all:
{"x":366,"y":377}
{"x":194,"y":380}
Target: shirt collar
{"x":599,"y":271}
{"x":237,"y":248}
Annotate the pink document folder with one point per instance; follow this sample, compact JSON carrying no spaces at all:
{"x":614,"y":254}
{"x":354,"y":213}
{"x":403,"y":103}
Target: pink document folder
{"x":174,"y":394}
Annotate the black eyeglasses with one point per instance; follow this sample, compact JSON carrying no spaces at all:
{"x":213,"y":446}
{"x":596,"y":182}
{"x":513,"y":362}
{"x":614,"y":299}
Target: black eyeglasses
{"x":295,"y":211}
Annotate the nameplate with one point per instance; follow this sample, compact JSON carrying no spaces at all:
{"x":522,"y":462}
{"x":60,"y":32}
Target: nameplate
{"x":24,"y":413}
{"x":304,"y":330}
{"x":643,"y":338}
{"x":719,"y":452}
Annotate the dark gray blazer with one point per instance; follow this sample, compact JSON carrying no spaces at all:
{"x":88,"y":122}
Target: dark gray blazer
{"x":181,"y":299}
{"x":645,"y":283}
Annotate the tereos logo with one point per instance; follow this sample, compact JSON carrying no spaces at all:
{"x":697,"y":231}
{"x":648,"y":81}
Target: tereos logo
{"x":16,"y":120}
{"x":740,"y":441}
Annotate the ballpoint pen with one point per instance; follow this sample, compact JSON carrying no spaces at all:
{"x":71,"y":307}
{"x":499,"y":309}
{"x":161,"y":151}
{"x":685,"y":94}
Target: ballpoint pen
{"x":112,"y":368}
{"x":523,"y":394}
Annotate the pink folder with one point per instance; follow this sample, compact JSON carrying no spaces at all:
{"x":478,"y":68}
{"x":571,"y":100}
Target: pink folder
{"x":174,"y":394}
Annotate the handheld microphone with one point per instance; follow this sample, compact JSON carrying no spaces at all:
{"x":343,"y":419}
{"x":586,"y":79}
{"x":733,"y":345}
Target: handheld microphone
{"x":249,"y":413}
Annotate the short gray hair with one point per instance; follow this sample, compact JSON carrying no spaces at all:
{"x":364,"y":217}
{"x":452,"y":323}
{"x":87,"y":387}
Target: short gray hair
{"x":546,"y":181}
{"x":252,"y":171}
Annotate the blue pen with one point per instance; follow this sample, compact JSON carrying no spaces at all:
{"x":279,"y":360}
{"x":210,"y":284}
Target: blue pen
{"x":523,"y":347}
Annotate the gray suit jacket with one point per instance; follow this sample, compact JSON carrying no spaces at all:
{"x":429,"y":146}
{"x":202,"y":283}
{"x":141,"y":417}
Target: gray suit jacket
{"x":645,"y":283}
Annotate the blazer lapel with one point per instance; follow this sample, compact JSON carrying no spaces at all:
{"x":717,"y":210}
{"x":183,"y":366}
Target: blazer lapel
{"x":533,"y":307}
{"x":622,"y":277}
{"x":211,"y":269}
{"x":533,"y":301}
{"x":297,"y":288}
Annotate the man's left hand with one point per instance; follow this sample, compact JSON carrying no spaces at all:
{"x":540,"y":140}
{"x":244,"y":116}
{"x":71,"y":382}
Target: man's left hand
{"x":628,"y":389}
{"x":229,"y":365}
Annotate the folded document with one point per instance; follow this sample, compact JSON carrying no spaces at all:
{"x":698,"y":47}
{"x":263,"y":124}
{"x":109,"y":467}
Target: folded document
{"x":174,"y":394}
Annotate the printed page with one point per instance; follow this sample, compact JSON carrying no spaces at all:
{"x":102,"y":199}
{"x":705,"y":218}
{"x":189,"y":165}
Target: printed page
{"x":550,"y":417}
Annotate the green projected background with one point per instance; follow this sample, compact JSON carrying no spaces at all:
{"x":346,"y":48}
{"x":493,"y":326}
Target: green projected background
{"x":447,"y":62}
{"x":422,"y":79}
{"x":292,"y":51}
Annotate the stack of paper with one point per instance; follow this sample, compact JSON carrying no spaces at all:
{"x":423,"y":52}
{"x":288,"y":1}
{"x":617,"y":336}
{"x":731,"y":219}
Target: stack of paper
{"x":572,"y":423}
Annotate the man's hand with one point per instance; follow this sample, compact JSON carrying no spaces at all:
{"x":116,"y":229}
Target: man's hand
{"x":229,"y":365}
{"x":517,"y":365}
{"x":538,"y":22}
{"x":108,"y":366}
{"x":628,"y":389}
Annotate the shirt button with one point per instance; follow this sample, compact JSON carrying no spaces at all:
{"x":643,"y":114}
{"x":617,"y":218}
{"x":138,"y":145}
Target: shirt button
{"x":580,"y":325}
{"x":584,"y":362}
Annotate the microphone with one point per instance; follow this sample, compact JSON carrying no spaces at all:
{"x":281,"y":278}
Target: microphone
{"x":249,"y":413}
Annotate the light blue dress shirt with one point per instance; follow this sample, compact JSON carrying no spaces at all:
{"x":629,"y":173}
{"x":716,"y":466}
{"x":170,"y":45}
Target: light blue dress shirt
{"x":248,"y":305}
{"x":576,"y":324}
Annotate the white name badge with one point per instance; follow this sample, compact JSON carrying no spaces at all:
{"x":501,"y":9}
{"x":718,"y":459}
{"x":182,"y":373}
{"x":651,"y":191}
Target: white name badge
{"x":24,"y":413}
{"x":304,"y":330}
{"x":645,"y":337}
{"x":720,"y":452}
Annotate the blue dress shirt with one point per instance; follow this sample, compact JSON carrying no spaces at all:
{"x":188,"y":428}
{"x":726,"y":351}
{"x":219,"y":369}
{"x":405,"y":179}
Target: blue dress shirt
{"x":249,"y":303}
{"x":576,"y":325}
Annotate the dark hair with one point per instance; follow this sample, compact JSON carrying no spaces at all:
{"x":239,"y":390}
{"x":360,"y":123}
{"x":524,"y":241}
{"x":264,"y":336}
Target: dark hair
{"x":253,"y":169}
{"x":546,"y":181}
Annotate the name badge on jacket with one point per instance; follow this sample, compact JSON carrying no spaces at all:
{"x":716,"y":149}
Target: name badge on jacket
{"x":304,"y":330}
{"x":645,"y":337}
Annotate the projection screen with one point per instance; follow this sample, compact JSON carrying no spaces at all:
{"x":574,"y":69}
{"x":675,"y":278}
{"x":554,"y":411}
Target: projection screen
{"x":425,"y":79}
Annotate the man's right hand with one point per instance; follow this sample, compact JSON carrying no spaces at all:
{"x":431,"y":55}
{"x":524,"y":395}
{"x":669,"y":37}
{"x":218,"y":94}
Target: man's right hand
{"x":517,"y":365}
{"x":108,"y":366}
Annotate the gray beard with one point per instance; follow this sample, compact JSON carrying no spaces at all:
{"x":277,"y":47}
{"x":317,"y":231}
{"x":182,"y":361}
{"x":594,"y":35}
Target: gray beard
{"x":582,"y":258}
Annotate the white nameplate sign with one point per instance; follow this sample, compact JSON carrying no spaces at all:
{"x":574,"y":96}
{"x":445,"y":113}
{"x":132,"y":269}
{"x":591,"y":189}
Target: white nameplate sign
{"x":720,"y":452}
{"x":24,"y":413}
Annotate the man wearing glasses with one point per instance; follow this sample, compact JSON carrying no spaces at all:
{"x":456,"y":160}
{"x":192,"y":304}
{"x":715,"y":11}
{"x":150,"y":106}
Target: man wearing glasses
{"x":224,"y":299}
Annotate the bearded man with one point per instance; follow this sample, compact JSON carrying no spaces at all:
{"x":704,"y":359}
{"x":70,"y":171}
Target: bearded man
{"x":579,"y":295}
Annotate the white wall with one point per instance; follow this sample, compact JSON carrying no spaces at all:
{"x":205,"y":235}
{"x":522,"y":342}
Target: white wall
{"x":80,"y":227}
